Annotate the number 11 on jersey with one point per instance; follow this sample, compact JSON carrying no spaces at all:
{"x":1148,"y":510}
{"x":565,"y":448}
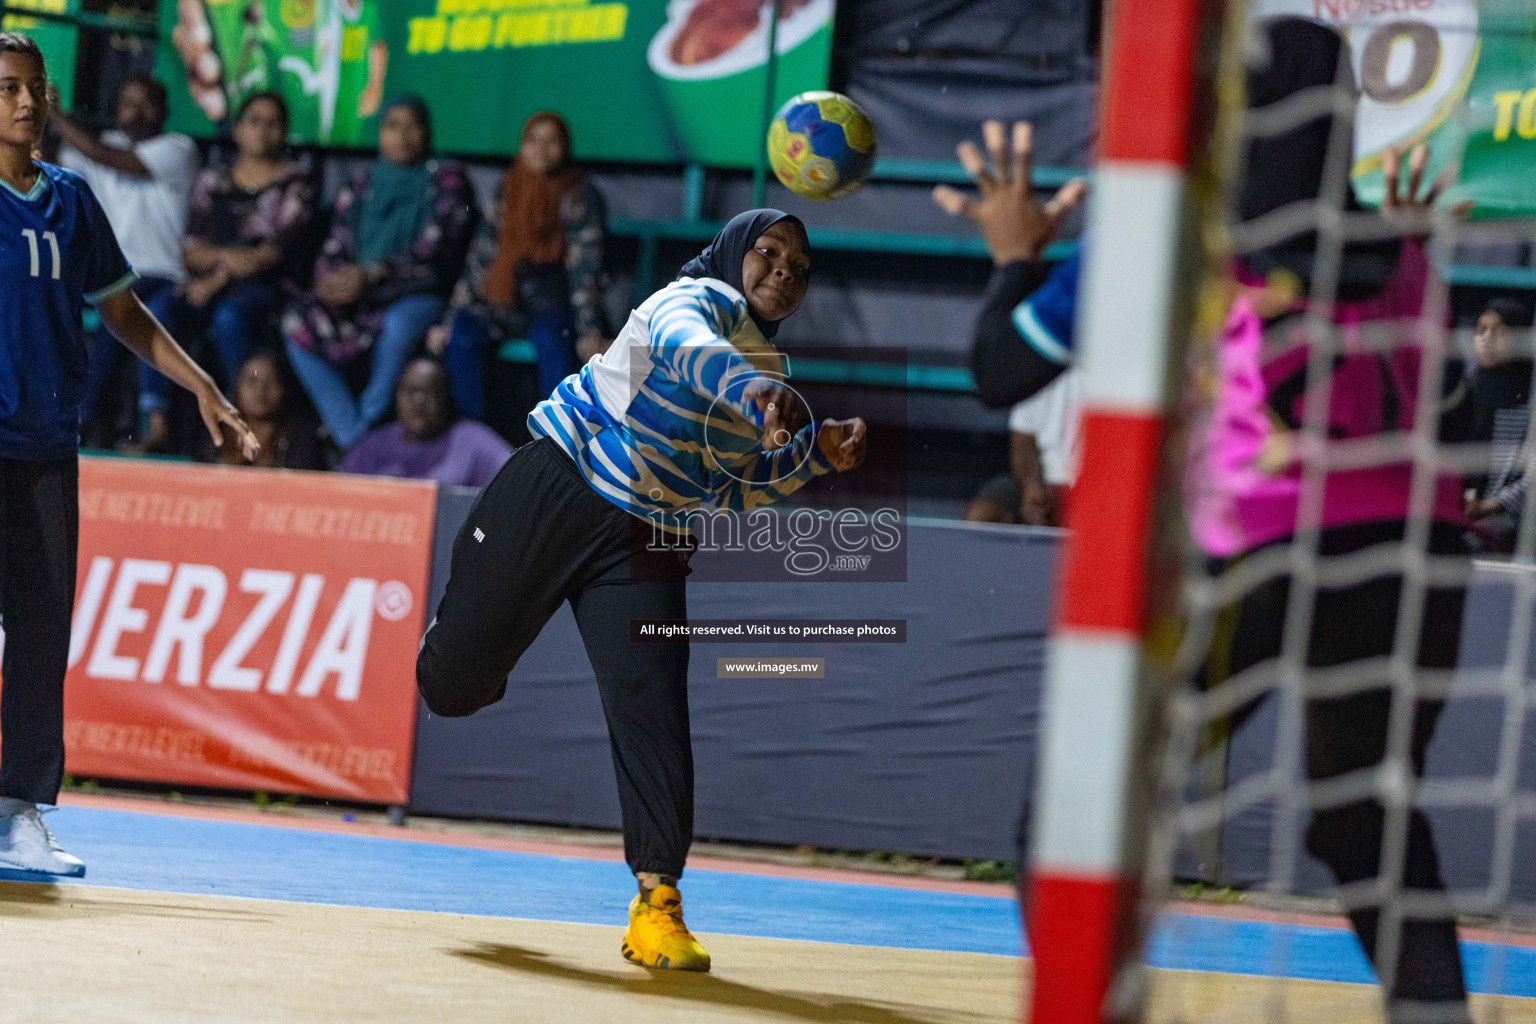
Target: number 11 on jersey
{"x":53,"y":247}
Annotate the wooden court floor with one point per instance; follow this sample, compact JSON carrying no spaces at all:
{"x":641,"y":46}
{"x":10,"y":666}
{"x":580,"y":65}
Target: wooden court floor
{"x":192,"y":915}
{"x":88,"y":954}
{"x":91,"y":954}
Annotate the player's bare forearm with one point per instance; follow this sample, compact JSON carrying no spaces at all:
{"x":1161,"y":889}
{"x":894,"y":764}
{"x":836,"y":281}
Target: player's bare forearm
{"x":125,"y":160}
{"x":136,"y":327}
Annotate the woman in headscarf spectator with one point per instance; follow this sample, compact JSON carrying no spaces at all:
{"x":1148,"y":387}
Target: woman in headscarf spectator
{"x":263,"y":393}
{"x":396,"y":246}
{"x":533,"y":270}
{"x":248,"y":222}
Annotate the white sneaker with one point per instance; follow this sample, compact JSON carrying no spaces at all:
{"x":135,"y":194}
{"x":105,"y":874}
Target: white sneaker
{"x":27,"y":844}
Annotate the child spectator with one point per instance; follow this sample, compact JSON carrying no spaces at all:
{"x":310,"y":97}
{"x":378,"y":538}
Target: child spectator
{"x":532,"y":270}
{"x":396,"y":247}
{"x":262,"y":394}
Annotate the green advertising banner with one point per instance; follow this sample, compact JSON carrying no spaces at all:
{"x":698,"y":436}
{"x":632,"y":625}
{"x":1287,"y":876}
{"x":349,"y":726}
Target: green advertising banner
{"x":58,"y":40}
{"x":1457,"y":74}
{"x":638,"y":80}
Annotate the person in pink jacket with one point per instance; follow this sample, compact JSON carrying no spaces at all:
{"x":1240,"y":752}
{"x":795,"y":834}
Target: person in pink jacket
{"x":1251,"y":499}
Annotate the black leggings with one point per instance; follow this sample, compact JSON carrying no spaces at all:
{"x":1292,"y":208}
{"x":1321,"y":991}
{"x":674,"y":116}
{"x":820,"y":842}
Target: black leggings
{"x":1349,"y":733}
{"x":539,"y":535}
{"x":39,"y":536}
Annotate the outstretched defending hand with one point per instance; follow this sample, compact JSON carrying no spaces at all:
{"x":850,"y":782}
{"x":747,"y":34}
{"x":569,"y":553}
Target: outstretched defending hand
{"x":843,"y":442}
{"x":215,"y":410}
{"x":1015,"y":224}
{"x":1404,"y":207}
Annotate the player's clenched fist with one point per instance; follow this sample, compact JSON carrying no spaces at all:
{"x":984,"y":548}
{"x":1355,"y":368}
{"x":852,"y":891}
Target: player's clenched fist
{"x":782,"y":412}
{"x":843,"y":442}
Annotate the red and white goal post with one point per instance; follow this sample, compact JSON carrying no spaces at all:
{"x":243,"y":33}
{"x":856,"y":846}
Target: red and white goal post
{"x":1136,"y":310}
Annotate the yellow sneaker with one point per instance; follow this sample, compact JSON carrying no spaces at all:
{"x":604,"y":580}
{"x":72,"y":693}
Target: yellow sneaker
{"x":657,"y":936}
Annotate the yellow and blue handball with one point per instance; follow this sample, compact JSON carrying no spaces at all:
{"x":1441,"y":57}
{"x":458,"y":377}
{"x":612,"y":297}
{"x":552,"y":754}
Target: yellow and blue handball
{"x":822,"y":145}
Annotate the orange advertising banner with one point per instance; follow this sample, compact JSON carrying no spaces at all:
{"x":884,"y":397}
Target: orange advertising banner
{"x":247,"y":628}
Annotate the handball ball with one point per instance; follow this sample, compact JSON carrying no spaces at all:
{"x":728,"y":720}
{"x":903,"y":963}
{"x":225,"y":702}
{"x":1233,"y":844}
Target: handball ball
{"x":821,"y":145}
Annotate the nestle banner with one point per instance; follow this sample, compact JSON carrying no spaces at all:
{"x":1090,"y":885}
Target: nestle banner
{"x":250,"y":629}
{"x":1457,"y":74}
{"x":655,"y":80}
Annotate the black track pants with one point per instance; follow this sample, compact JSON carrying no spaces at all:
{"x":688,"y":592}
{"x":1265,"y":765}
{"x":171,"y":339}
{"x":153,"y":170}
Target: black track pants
{"x":1348,"y":734}
{"x":39,"y":535}
{"x":539,"y":535}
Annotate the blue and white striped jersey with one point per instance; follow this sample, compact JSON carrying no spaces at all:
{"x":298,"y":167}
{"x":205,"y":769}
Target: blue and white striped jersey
{"x":660,"y":424}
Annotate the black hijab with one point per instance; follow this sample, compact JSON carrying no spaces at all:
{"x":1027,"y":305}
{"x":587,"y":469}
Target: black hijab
{"x":1289,"y":167}
{"x":722,"y":258}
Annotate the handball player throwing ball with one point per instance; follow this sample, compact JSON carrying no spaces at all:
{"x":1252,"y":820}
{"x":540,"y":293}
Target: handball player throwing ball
{"x":57,"y":252}
{"x":684,"y":408}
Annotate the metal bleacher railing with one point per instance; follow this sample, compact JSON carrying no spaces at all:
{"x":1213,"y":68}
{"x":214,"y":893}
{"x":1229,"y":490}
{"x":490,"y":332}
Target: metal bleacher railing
{"x":692,"y":227}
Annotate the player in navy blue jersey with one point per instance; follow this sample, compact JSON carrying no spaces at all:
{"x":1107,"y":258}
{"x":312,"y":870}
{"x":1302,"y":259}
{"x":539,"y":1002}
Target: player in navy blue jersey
{"x":57,"y":252}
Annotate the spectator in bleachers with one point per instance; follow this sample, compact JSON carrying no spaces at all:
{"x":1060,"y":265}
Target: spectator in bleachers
{"x":1501,"y":395}
{"x":1501,"y":380}
{"x":143,"y":177}
{"x":427,"y":442}
{"x":248,"y":221}
{"x":532,"y":271}
{"x":1044,"y":447}
{"x":263,"y":393}
{"x":395,"y":249}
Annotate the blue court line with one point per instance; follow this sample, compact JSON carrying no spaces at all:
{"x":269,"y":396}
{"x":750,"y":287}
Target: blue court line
{"x":1190,"y":942}
{"x":164,"y":853}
